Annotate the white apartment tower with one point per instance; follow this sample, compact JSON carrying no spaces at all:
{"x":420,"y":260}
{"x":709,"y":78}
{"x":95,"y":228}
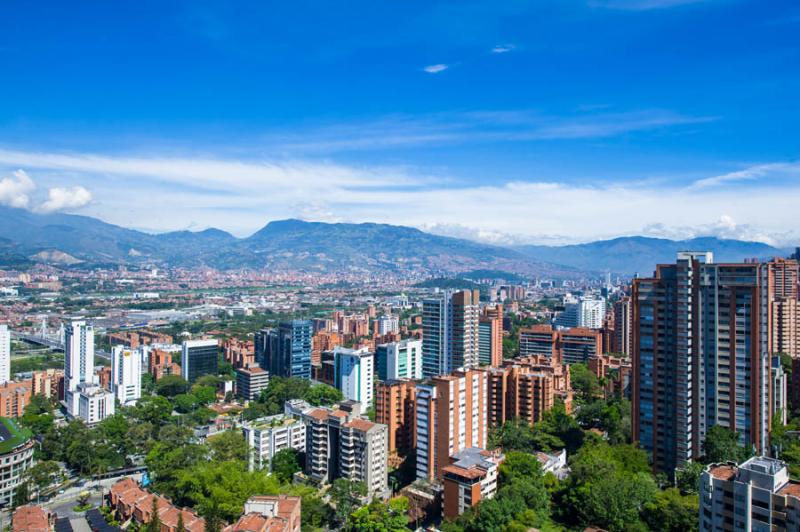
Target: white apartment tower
{"x":5,"y":354}
{"x":355,"y":374}
{"x":78,"y":355}
{"x":126,"y":374}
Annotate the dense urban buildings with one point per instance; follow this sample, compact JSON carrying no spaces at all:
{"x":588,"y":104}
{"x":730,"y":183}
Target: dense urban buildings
{"x":451,"y":415}
{"x":700,"y":356}
{"x":756,"y":495}
{"x":285,"y":351}
{"x":399,"y":360}
{"x":198,"y":358}
{"x":450,"y":332}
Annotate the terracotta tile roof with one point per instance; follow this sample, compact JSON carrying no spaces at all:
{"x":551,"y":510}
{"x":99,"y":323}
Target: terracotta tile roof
{"x":318,"y":414}
{"x":30,"y":518}
{"x":791,"y":488}
{"x":360,"y":424}
{"x":472,"y":473}
{"x":723,"y":471}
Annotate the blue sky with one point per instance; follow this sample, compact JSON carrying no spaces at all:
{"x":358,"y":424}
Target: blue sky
{"x":549,"y":121}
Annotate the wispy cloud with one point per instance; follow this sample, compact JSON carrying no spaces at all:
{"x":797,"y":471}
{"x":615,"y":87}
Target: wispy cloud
{"x":774,"y":170}
{"x":435,"y":69}
{"x":478,"y":127}
{"x":641,"y":5}
{"x":502,"y":48}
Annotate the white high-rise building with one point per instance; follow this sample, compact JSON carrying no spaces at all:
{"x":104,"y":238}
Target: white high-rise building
{"x":399,"y":360}
{"x":78,"y":355}
{"x":354,"y":374}
{"x":85,"y":399}
{"x":591,"y":312}
{"x":126,"y":374}
{"x":5,"y":354}
{"x":388,"y":324}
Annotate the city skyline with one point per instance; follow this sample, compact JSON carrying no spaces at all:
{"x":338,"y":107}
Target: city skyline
{"x":580,"y":120}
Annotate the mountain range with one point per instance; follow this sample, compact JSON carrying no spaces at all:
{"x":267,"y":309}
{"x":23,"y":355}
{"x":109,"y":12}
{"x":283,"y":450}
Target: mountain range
{"x":295,"y":245}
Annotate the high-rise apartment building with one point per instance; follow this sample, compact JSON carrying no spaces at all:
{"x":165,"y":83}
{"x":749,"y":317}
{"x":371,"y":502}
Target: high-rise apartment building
{"x":577,"y":344}
{"x":399,"y":360}
{"x":5,"y":354}
{"x":490,"y":336}
{"x":450,"y":332}
{"x":339,"y":444}
{"x":286,"y":351}
{"x":784,"y":306}
{"x":126,"y":374}
{"x":451,"y":415}
{"x":198,"y":358}
{"x":388,"y":324}
{"x":623,"y":327}
{"x":518,"y":391}
{"x":586,"y":311}
{"x":355,"y":374}
{"x":700,"y":356}
{"x":268,"y":435}
{"x":78,"y":354}
{"x":251,"y":380}
{"x":757,"y":495}
{"x":395,"y":407}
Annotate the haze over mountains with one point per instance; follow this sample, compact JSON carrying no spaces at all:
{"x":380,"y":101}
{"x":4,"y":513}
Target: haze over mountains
{"x":69,"y":239}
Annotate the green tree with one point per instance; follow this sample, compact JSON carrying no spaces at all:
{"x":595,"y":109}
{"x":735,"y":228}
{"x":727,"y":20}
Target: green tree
{"x":180,"y":527}
{"x":722,"y":445}
{"x":346,"y":494}
{"x":228,"y":445}
{"x":377,"y":516}
{"x":205,"y":394}
{"x":285,"y":464}
{"x":171,"y":385}
{"x":672,"y":512}
{"x":185,"y":403}
{"x":323,"y":395}
{"x":687,"y":478}
{"x":584,"y":382}
{"x":154,"y":524}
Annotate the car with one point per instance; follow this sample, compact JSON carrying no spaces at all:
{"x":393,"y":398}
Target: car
{"x":61,"y":492}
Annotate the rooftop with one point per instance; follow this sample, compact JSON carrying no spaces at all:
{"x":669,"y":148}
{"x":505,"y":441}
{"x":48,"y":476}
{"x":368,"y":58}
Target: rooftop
{"x":11,"y":435}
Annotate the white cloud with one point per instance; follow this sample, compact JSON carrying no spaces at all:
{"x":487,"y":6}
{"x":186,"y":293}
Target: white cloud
{"x":435,"y":69}
{"x":65,"y":198}
{"x":15,"y":190}
{"x":242,"y":196}
{"x":502,"y":48}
